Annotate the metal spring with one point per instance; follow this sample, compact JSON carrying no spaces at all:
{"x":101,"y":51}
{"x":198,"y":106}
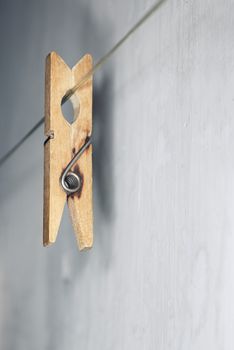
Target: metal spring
{"x":70,"y":181}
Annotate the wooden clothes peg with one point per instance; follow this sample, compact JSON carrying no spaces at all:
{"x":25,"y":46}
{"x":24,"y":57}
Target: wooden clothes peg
{"x":63,"y":142}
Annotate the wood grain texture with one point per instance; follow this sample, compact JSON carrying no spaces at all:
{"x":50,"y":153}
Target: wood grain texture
{"x":66,"y":141}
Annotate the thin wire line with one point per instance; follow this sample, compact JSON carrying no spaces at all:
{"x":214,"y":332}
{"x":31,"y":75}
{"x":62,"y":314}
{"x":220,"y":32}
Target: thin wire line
{"x":70,"y":92}
{"x":112,"y":51}
{"x":18,"y":144}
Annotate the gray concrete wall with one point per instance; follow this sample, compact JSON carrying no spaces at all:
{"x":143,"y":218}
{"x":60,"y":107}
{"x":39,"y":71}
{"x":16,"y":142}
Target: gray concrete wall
{"x":161,"y":273}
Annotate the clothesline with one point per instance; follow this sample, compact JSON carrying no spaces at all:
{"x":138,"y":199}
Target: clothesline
{"x":101,"y":61}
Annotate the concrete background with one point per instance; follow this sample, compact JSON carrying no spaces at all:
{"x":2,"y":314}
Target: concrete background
{"x":161,"y":273}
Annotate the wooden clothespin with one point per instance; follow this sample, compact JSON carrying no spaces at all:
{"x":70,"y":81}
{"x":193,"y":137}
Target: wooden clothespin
{"x":65,"y":177}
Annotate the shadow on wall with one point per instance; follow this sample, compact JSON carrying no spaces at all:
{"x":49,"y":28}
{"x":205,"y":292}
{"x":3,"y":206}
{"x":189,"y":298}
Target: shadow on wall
{"x":103,"y":147}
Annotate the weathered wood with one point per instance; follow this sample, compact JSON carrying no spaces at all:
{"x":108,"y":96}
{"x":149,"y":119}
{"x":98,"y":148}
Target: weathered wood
{"x":66,"y":141}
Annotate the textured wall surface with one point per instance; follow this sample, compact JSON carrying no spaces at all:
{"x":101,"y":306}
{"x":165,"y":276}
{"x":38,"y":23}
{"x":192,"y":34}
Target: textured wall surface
{"x":161,"y":273}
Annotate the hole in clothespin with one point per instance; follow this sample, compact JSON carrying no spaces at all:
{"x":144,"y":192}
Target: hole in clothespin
{"x":70,"y":109}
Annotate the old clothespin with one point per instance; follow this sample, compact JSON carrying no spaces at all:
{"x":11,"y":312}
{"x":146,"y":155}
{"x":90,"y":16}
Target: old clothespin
{"x":68,"y":150}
